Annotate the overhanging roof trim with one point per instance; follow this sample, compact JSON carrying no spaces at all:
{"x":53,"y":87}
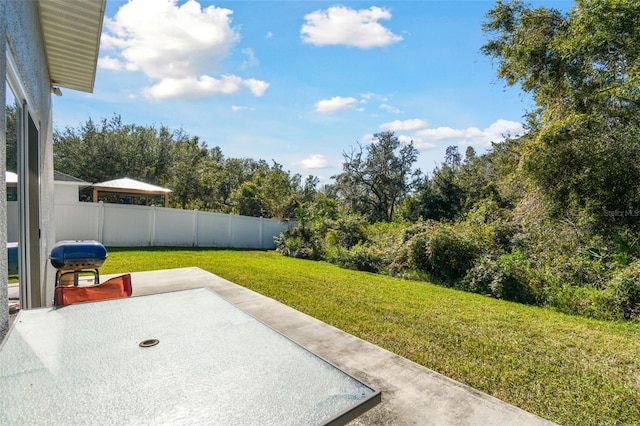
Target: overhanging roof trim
{"x":125,"y":184}
{"x":71,"y":32}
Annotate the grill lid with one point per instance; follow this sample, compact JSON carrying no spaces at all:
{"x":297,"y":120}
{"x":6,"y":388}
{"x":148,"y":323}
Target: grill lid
{"x":70,"y":254}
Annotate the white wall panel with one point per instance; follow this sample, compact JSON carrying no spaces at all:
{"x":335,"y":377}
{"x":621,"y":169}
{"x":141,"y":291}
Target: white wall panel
{"x":76,"y":221}
{"x":126,"y":226}
{"x":174,"y":227}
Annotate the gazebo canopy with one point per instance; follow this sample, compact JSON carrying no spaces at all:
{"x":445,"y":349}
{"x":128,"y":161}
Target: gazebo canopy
{"x":126,"y":189}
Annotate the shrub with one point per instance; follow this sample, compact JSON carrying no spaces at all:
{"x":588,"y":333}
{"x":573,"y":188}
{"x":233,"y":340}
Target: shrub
{"x":483,"y":277}
{"x":299,"y":242}
{"x":626,"y":291}
{"x":585,"y":301}
{"x":387,"y":238}
{"x":515,"y":284}
{"x":413,"y":252}
{"x":626,"y":247}
{"x":451,"y":255}
{"x":509,"y":277}
{"x":343,"y":232}
{"x":504,"y":234}
{"x":418,"y":228}
{"x":418,"y":257}
{"x":361,"y":257}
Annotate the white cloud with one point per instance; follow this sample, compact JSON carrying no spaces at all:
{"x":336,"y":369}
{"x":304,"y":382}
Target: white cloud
{"x":417,"y":142}
{"x":405,"y":140}
{"x":110,"y":63}
{"x":257,"y":87}
{"x":368,"y":138}
{"x":315,"y":161}
{"x":441,"y":133}
{"x":403,"y":126}
{"x":334,"y":104}
{"x":177,"y":46}
{"x":390,"y":108}
{"x":236,"y":108}
{"x":340,"y":25}
{"x":370,"y":95}
{"x":496,"y":132}
{"x":251,"y":60}
{"x":193,"y":88}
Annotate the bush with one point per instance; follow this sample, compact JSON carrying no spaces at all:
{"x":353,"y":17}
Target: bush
{"x":451,"y":255}
{"x":299,"y":242}
{"x":343,"y":232}
{"x":361,"y":257}
{"x":509,"y":277}
{"x":588,"y":302}
{"x":418,"y":228}
{"x":516,"y":283}
{"x":387,"y":238}
{"x":418,"y":256}
{"x":413,"y":252}
{"x":626,"y":291}
{"x":483,"y":277}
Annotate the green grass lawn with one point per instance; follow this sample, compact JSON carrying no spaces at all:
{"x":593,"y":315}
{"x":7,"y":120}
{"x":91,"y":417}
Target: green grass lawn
{"x":567,"y":369}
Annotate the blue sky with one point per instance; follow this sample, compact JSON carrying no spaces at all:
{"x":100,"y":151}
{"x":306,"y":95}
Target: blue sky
{"x":300,"y":82}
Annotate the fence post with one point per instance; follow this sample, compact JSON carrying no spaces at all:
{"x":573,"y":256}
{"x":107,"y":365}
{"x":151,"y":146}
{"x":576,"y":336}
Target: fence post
{"x":230,"y":232}
{"x":101,"y":222}
{"x":260,"y":232}
{"x":195,"y":241}
{"x":152,"y":231}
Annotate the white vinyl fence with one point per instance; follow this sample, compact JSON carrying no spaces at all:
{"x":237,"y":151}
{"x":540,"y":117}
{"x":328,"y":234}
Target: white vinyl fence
{"x":137,"y":226}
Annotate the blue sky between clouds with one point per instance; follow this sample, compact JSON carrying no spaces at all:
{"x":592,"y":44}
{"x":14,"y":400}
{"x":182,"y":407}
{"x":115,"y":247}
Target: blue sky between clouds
{"x":299,"y":82}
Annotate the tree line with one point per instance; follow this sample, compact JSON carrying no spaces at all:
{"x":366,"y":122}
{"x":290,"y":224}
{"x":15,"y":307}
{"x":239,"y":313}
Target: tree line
{"x":200,"y":177}
{"x":375,"y":180}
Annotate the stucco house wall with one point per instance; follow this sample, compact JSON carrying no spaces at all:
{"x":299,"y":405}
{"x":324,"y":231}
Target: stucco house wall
{"x":23,"y":42}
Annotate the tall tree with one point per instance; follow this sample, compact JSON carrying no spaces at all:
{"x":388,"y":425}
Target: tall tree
{"x":189,"y":172}
{"x":583,"y":69}
{"x":11,"y":138}
{"x":112,"y":149}
{"x":376,"y":177}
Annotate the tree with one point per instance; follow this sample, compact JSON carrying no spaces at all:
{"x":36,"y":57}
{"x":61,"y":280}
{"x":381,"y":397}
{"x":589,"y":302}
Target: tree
{"x":11,"y":137}
{"x":278,"y":191}
{"x":111,"y":150}
{"x":246,"y":200}
{"x":439,"y":197}
{"x":583,"y":69}
{"x":377,"y":177}
{"x":189,"y":172}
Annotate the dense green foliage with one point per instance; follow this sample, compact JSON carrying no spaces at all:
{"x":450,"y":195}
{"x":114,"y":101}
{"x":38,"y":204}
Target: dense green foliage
{"x":568,"y":369}
{"x":583,"y":70}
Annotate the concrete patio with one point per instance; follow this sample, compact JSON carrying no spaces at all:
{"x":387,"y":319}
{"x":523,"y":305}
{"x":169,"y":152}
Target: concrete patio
{"x":411,"y":394}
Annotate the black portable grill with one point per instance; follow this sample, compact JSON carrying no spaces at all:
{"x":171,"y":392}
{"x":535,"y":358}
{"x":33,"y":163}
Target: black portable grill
{"x":76,"y":257}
